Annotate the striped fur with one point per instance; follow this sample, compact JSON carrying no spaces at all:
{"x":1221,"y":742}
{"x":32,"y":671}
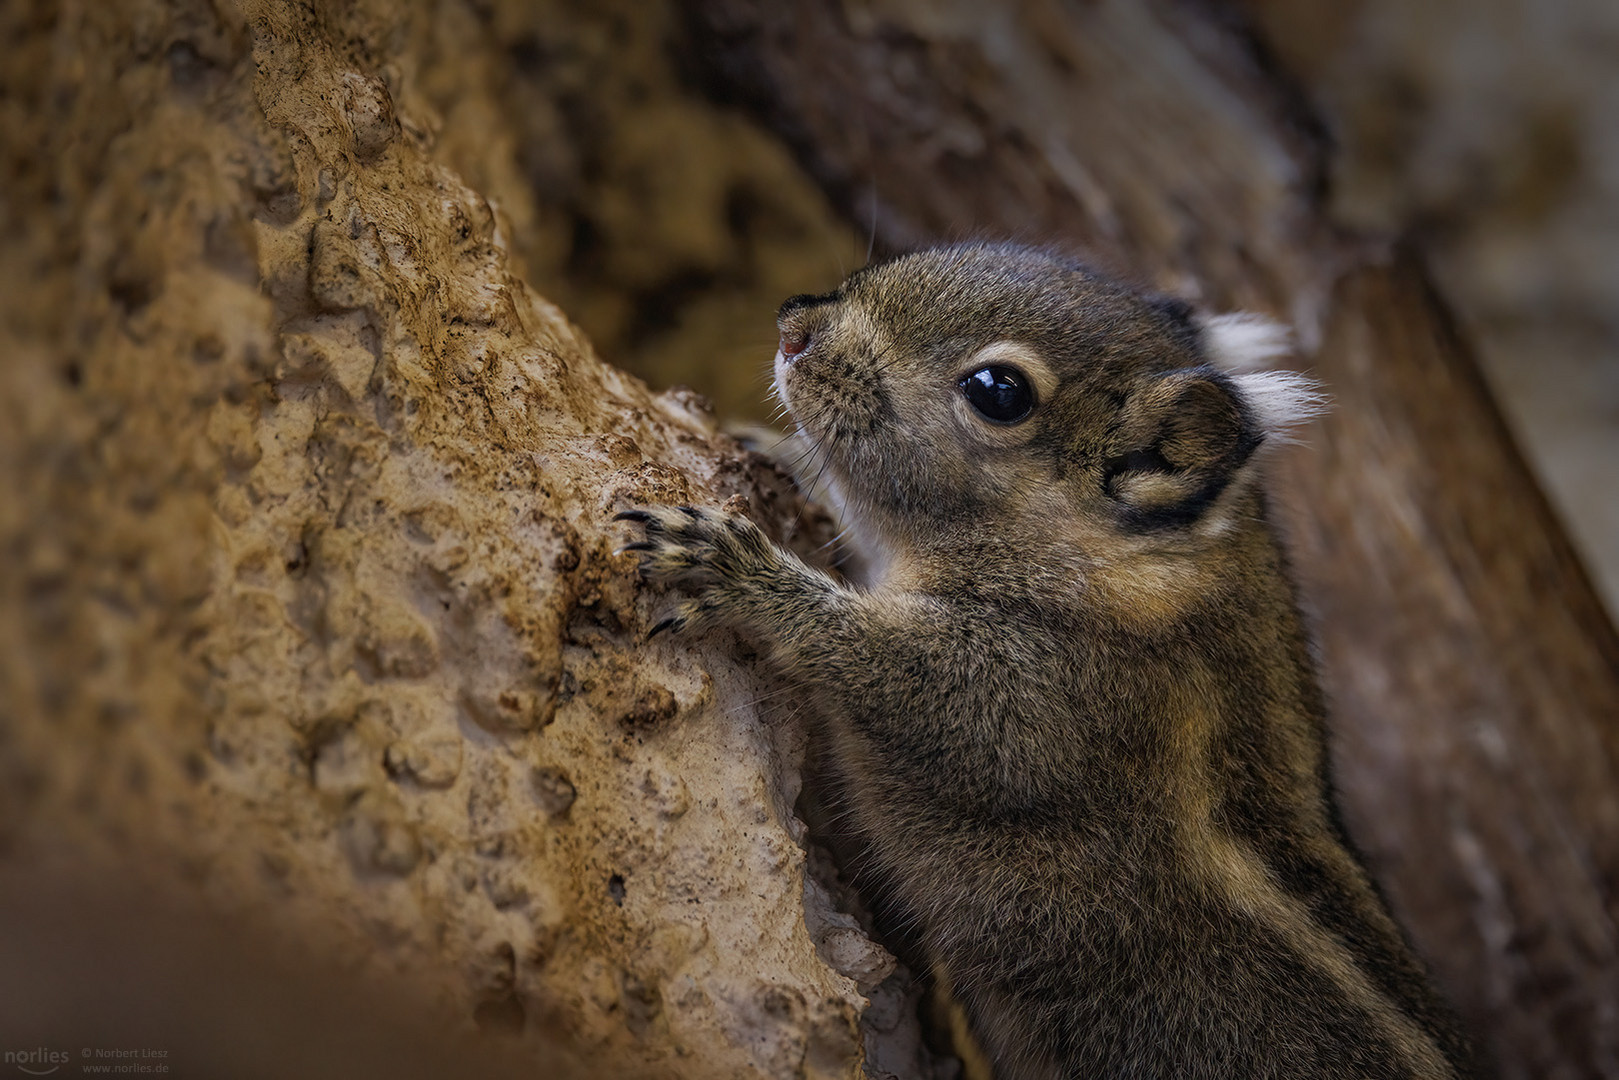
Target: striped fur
{"x":1074,"y":708}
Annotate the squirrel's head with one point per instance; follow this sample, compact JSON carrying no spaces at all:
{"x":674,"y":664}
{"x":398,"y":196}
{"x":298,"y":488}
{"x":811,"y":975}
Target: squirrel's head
{"x":1007,"y":393}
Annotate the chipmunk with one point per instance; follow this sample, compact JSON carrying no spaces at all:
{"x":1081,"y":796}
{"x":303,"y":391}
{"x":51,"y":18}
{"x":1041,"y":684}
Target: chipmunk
{"x":1074,"y":701}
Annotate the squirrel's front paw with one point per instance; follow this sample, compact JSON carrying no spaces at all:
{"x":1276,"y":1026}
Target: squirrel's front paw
{"x":724,"y":556}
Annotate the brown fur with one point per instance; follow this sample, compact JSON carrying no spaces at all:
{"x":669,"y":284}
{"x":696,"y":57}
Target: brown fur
{"x":1074,"y":705}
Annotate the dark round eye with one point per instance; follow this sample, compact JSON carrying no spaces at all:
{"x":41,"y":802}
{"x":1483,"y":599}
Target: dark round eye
{"x":794,"y":342}
{"x":1001,"y":395}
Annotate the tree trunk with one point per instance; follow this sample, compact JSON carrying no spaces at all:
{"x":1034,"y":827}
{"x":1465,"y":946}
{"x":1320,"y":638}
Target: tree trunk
{"x":313,"y":607}
{"x":313,"y":614}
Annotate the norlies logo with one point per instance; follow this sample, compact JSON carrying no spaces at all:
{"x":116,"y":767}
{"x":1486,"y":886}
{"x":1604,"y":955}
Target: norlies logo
{"x":40,"y":1061}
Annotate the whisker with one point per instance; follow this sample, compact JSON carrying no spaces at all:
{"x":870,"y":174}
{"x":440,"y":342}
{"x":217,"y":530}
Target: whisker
{"x":813,"y":485}
{"x":840,"y":535}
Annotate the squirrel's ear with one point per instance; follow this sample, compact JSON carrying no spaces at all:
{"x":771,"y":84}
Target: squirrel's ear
{"x":1183,"y":435}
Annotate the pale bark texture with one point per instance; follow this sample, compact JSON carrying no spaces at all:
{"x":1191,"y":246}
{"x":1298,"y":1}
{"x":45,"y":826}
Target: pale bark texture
{"x":310,"y":606}
{"x":310,"y":613}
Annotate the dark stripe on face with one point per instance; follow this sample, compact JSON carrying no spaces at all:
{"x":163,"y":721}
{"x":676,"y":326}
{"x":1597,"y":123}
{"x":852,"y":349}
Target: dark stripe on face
{"x":805,"y":300}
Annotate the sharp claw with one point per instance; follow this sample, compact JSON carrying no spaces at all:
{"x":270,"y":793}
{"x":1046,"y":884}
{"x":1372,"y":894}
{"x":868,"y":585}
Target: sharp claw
{"x":672,"y":622}
{"x":639,"y":545}
{"x":632,"y":515}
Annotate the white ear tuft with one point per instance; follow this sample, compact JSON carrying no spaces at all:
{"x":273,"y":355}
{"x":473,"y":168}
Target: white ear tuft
{"x":1245,"y":345}
{"x":1243,"y":342}
{"x":1281,"y":399}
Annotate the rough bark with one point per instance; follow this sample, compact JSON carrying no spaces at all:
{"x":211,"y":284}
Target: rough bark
{"x":1475,"y":674}
{"x":311,"y":608}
